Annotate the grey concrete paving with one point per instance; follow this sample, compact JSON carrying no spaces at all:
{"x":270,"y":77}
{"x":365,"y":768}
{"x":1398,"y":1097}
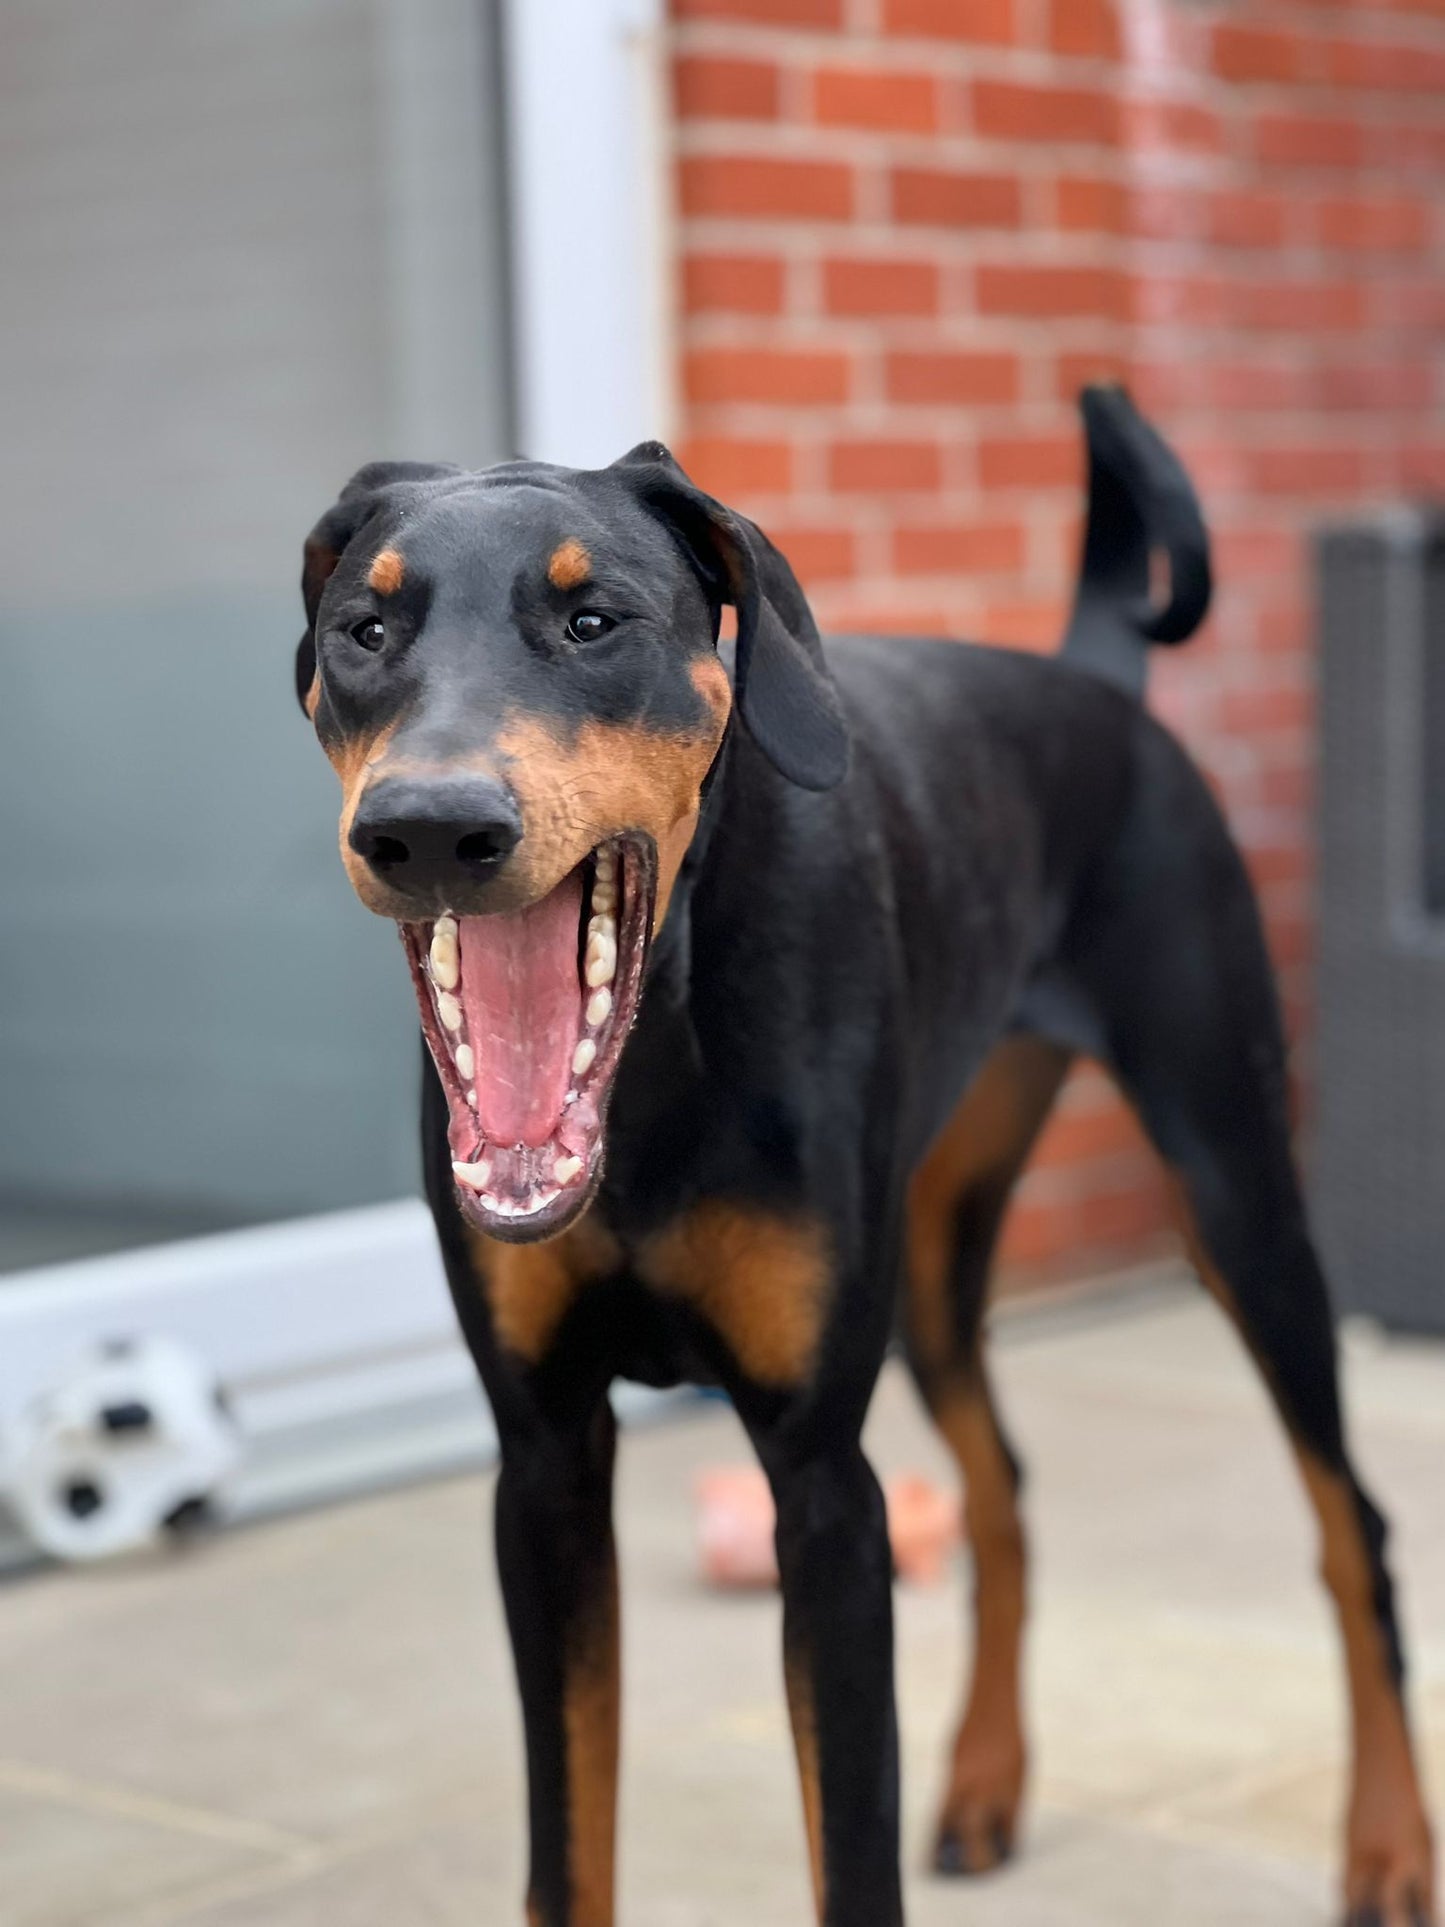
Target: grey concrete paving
{"x":311,"y":1724}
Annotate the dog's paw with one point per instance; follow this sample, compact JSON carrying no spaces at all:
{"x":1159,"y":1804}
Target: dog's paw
{"x":978,"y":1827}
{"x":1390,"y":1863}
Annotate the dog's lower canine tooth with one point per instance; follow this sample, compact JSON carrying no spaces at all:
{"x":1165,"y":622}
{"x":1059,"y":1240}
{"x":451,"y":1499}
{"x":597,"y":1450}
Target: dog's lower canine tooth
{"x":445,"y":959}
{"x":565,"y":1169}
{"x":599,"y":1006}
{"x":474,"y":1176}
{"x":466,"y":1063}
{"x":449,"y":1010}
{"x":445,"y":926}
{"x":584,"y":1057}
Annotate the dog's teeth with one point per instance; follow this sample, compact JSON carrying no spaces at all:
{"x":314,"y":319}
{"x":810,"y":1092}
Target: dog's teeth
{"x":602,"y":925}
{"x":466,"y":1063}
{"x":584,"y":1057}
{"x":604,"y":899}
{"x":472,"y":1099}
{"x":446,"y":968}
{"x":601,"y":960}
{"x":599,"y":1007}
{"x":606,"y":865}
{"x":565,"y":1169}
{"x":474,"y":1176}
{"x":449,"y":1010}
{"x":446,"y":924}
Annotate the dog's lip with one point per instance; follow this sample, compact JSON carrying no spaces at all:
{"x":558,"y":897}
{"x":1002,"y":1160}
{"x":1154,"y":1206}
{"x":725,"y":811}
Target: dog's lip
{"x":513,"y":1193}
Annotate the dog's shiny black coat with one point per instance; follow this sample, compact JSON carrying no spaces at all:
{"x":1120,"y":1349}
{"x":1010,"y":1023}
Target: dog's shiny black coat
{"x":1016,"y":846}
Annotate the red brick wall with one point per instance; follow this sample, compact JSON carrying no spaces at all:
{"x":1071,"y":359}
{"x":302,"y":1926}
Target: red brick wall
{"x":910,"y":228}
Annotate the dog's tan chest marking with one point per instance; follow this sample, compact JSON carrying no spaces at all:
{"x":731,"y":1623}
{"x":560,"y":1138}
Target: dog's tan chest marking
{"x":570,"y":565}
{"x":531,"y":1288}
{"x":387,"y":572}
{"x":762,"y":1281}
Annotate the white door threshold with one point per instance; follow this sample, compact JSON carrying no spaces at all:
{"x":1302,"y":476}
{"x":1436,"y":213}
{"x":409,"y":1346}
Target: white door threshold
{"x":334,"y":1339}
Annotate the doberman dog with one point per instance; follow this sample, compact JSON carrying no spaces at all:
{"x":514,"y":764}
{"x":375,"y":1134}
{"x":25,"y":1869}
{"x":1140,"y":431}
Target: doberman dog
{"x":746,"y":991}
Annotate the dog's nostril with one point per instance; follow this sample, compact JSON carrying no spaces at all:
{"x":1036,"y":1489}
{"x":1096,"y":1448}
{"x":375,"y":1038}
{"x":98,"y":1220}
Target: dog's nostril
{"x":485,"y":846}
{"x":387,"y":851}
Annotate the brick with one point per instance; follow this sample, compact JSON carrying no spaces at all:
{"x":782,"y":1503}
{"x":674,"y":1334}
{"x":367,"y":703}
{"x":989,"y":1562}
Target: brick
{"x":817,"y":554}
{"x":728,"y":466}
{"x":1379,"y":224}
{"x":1258,"y":54}
{"x":958,"y":377}
{"x":1422,"y":468}
{"x":1078,"y":368}
{"x":960,"y":548}
{"x":1034,"y":624}
{"x":1077,"y":1136}
{"x":879,"y":101}
{"x":1309,"y":140}
{"x":1247,"y":219}
{"x":791,"y":379}
{"x":883,"y":466}
{"x":733,"y":283}
{"x":1299,"y":306}
{"x":1031,"y":461}
{"x":1083,"y":205}
{"x":1262,"y":709}
{"x":1010,"y":110}
{"x":1159,"y":299}
{"x":880,"y":286}
{"x":981,"y":22}
{"x":1381,"y":65}
{"x":1088,"y":29}
{"x":941,"y":197}
{"x":715,"y":89}
{"x":1308,"y":470}
{"x":769,"y":13}
{"x":1171,"y":126}
{"x":1374,"y":386}
{"x":1053,"y":291}
{"x":745,"y":186}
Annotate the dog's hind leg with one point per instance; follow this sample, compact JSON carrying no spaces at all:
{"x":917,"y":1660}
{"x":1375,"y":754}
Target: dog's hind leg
{"x":1171,"y":953}
{"x":956,"y":1204}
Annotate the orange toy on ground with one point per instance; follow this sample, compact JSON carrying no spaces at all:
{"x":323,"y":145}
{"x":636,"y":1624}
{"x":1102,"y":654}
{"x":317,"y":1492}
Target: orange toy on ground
{"x":735,"y":1527}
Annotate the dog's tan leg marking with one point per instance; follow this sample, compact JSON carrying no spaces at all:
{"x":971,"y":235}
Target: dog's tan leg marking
{"x":958,"y":1194}
{"x":803,"y":1715}
{"x":591,"y":1717}
{"x":1389,"y":1847}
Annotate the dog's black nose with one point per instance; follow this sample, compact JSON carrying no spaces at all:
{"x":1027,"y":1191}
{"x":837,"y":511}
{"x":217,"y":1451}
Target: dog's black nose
{"x":435,"y":835}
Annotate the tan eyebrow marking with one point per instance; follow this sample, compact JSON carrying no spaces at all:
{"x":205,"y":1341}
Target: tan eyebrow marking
{"x":386,"y":572}
{"x":570,"y":565}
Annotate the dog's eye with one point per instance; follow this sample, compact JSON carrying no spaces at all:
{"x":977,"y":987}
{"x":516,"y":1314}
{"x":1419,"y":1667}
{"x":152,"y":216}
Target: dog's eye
{"x":369,"y":632}
{"x":588,"y":624}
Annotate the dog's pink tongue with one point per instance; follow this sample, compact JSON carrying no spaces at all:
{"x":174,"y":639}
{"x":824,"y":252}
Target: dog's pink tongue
{"x":522,"y":995}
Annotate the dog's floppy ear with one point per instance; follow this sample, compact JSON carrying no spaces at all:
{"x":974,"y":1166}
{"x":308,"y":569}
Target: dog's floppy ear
{"x":786,"y":697}
{"x":326,"y":544}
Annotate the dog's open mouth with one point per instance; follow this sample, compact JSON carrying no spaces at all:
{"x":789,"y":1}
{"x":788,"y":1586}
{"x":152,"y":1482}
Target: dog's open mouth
{"x":526,"y":1013}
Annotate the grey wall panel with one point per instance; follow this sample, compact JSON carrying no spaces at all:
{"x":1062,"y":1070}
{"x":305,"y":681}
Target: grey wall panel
{"x":1378,"y":1163}
{"x":247,"y":246}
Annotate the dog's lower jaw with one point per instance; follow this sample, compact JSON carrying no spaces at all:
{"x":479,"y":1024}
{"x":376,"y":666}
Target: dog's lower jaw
{"x":526,"y":1014}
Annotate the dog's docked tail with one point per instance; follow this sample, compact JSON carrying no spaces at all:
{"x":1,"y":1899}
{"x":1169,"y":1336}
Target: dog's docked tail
{"x":1140,"y":501}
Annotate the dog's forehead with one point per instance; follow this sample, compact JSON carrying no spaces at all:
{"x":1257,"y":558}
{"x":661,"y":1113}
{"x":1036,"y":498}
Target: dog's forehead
{"x":514,"y":523}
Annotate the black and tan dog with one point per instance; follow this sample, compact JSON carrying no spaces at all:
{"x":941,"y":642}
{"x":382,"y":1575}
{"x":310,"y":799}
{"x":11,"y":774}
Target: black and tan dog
{"x":746,"y":994}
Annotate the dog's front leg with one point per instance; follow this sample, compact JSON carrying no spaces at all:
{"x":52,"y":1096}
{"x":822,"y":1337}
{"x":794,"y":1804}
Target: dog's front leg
{"x":558,"y":1568}
{"x":833,"y":1555}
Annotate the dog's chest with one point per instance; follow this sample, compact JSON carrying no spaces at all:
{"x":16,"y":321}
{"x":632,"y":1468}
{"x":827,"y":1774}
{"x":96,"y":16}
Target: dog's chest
{"x":760,"y":1281}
